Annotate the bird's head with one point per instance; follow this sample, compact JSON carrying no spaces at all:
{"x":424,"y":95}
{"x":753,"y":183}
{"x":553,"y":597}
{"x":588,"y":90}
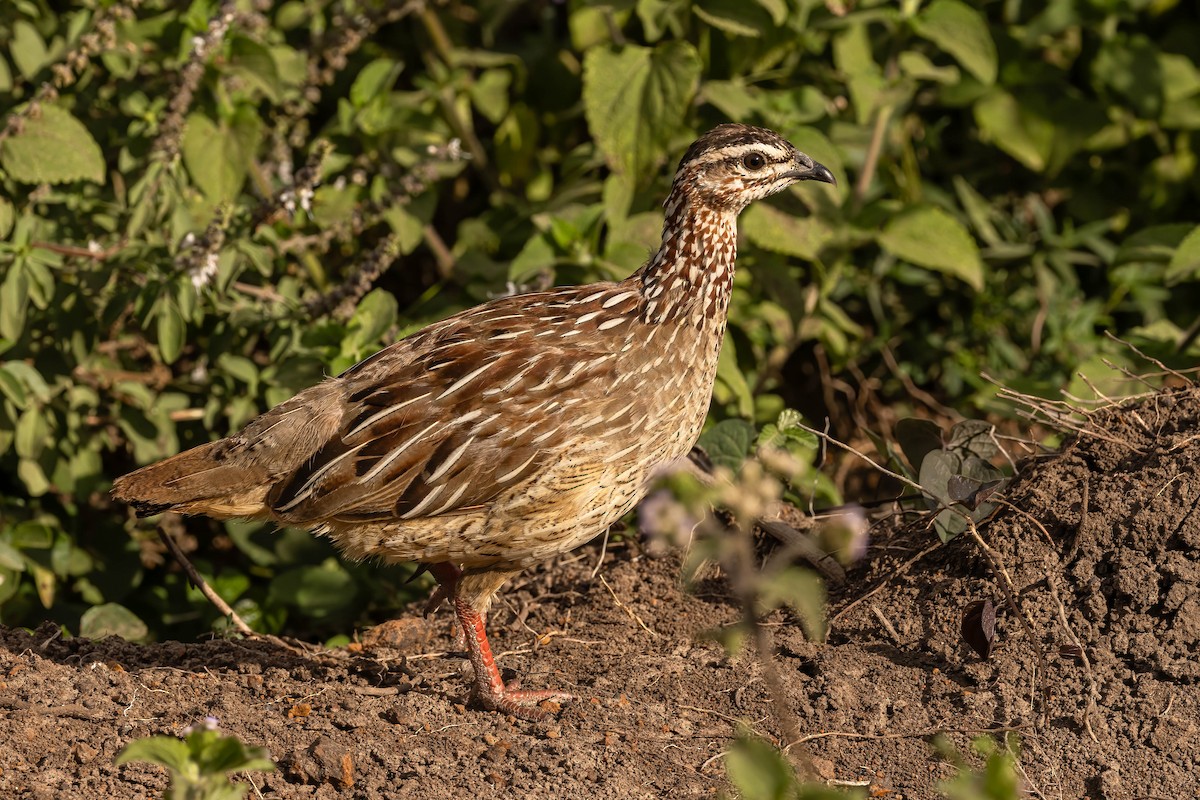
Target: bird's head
{"x":733,"y":165}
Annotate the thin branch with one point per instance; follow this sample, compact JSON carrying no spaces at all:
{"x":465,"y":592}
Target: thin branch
{"x":1151,"y":359}
{"x":202,"y":584}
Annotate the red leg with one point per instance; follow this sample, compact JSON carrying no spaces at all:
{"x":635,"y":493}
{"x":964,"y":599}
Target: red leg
{"x":489,"y":689}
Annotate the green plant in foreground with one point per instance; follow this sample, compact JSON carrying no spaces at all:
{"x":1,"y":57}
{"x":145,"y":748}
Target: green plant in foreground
{"x":997,"y":780}
{"x":758,"y":771}
{"x":200,"y":763}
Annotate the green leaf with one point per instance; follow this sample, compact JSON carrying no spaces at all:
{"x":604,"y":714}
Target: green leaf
{"x":52,"y":147}
{"x":241,"y":368}
{"x":374,"y":79}
{"x":759,"y":771}
{"x":973,"y":437}
{"x":1185,"y":261}
{"x":7,"y":215}
{"x":218,"y":156}
{"x":781,"y":232}
{"x":728,"y":442}
{"x":27,"y":48}
{"x":937,"y":467}
{"x":852,"y":55}
{"x":112,"y":619}
{"x":1129,"y":65}
{"x":962,"y":32}
{"x":320,"y":592}
{"x":729,"y":376}
{"x":12,"y":387}
{"x":929,"y":237}
{"x":171,"y":331}
{"x":32,"y":433}
{"x":635,"y":99}
{"x":801,"y":590}
{"x":739,"y":17}
{"x":1158,"y":244}
{"x":376,"y":313}
{"x":162,"y":750}
{"x":1024,"y":136}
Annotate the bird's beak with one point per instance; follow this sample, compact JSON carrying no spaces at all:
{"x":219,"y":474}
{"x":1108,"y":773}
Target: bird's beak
{"x":817,"y":172}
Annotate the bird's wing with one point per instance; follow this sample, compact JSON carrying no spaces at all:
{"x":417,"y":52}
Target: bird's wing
{"x":446,"y":420}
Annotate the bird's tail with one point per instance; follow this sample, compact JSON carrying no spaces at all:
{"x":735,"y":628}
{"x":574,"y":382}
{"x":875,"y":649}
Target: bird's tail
{"x":203,"y":480}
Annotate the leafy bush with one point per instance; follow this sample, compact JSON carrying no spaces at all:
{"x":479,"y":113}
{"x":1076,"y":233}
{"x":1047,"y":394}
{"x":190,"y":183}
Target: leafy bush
{"x":207,"y":206}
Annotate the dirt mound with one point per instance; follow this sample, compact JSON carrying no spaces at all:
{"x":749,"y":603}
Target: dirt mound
{"x":1103,"y":550}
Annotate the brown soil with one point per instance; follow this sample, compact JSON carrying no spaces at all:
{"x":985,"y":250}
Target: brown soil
{"x":657,"y":704}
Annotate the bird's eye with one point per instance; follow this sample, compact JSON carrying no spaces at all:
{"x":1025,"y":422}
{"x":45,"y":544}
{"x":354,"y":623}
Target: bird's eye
{"x":754,"y":161}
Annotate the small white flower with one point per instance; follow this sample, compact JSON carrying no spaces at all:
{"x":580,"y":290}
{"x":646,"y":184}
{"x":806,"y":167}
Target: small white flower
{"x":202,"y":275}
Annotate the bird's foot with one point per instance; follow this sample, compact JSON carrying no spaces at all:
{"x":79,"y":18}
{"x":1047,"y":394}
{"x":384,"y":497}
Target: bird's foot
{"x":529,"y":704}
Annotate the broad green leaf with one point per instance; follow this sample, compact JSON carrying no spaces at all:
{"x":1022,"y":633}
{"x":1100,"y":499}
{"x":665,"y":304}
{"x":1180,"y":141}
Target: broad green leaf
{"x":759,"y":771}
{"x":32,"y":432}
{"x":14,"y":302}
{"x":376,"y":313}
{"x":729,"y":375}
{"x":929,"y":237}
{"x":27,"y":49}
{"x":171,"y":331}
{"x":34,"y":477}
{"x":374,"y":79}
{"x":1129,"y":65}
{"x":974,"y":437}
{"x":1024,"y":136}
{"x":320,"y":592}
{"x":780,"y":232}
{"x":218,"y":156}
{"x":52,"y":147}
{"x":254,"y":66}
{"x":936,"y":469}
{"x":112,"y":619}
{"x":728,"y":442}
{"x":12,"y":387}
{"x":241,"y":368}
{"x":1185,"y":261}
{"x":162,"y":750}
{"x":962,"y":32}
{"x":852,"y":56}
{"x":635,"y":99}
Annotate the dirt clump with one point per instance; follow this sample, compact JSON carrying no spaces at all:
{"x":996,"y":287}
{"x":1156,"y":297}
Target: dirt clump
{"x":1101,"y":541}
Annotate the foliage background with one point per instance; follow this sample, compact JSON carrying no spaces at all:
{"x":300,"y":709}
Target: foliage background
{"x":208,"y":206}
